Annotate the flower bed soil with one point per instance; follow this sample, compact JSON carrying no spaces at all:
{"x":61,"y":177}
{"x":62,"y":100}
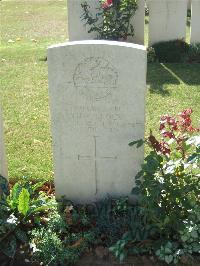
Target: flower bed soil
{"x":93,"y":259}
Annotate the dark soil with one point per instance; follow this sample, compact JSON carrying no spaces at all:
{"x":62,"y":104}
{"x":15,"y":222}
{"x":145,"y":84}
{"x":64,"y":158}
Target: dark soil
{"x":93,"y":260}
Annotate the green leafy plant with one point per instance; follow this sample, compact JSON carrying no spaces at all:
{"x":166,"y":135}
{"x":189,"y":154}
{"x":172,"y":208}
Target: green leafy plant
{"x":151,"y":55}
{"x":137,"y":237}
{"x":111,"y":219}
{"x":119,"y":248}
{"x":63,"y":239}
{"x":112,"y":20}
{"x":4,"y":188}
{"x":19,"y":212}
{"x":26,"y":202}
{"x":194,"y":53}
{"x":190,"y":234}
{"x":168,"y":185}
{"x":168,"y":253}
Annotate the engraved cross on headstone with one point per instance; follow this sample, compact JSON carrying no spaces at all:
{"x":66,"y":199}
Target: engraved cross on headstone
{"x":95,"y":158}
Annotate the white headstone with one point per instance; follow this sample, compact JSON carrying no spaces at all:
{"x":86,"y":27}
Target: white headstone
{"x":97,"y":103}
{"x":138,"y":23}
{"x":77,"y":30}
{"x":3,"y":164}
{"x":167,"y":20}
{"x":195,"y":22}
{"x":188,"y":3}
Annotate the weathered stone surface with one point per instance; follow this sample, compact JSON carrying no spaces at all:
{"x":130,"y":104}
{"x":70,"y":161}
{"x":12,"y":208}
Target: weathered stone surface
{"x":3,"y":164}
{"x":97,"y":102}
{"x":138,"y":24}
{"x":77,"y":30}
{"x":167,"y":20}
{"x":195,"y":22}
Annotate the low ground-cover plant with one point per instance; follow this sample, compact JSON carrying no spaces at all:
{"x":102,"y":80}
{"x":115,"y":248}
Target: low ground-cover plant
{"x":112,"y":20}
{"x":151,"y":55}
{"x":168,"y":188}
{"x":194,"y":53}
{"x":80,"y":228}
{"x":20,"y":211}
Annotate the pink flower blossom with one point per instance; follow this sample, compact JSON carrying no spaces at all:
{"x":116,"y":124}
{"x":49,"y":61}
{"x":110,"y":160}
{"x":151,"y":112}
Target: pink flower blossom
{"x":106,"y":4}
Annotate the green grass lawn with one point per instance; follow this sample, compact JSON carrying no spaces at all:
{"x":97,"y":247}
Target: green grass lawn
{"x":34,"y":25}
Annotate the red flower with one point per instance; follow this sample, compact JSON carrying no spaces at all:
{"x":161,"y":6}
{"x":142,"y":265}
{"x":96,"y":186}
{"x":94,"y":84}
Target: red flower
{"x":192,"y":129}
{"x":164,"y":118}
{"x":170,"y":121}
{"x":106,"y":4}
{"x":164,"y":148}
{"x":161,"y":147}
{"x":175,"y":126}
{"x":154,"y":142}
{"x":162,"y":126}
{"x":168,"y":134}
{"x":186,"y":113}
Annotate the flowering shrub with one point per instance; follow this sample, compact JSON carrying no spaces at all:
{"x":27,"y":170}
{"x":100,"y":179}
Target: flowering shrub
{"x":177,"y":131}
{"x":112,"y":20}
{"x":168,"y":187}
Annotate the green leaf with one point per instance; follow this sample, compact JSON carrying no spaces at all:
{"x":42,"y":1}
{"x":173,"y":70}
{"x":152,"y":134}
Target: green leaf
{"x":138,"y":143}
{"x":24,"y":199}
{"x":139,"y":174}
{"x":193,"y":157}
{"x":194,"y":234}
{"x":168,"y":259}
{"x":157,"y":252}
{"x":21,"y":235}
{"x":135,"y":191}
{"x":167,"y":251}
{"x":34,"y":210}
{"x":8,"y":247}
{"x":122,"y":256}
{"x":37,"y":185}
{"x":138,"y":182}
{"x":4,"y":187}
{"x":15,"y":195}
